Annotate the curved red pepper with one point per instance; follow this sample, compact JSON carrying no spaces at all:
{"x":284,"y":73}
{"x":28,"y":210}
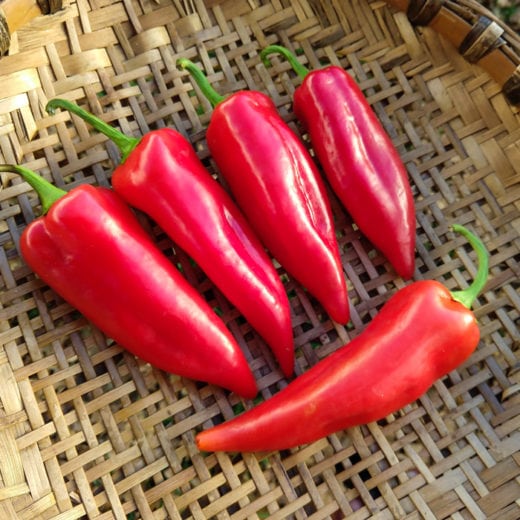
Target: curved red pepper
{"x":358,"y":158}
{"x":278,"y":187}
{"x":91,"y":249}
{"x":422,"y":333}
{"x":162,"y":176}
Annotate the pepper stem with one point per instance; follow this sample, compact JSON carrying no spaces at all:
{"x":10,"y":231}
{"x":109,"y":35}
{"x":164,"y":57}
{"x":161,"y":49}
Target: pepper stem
{"x":468,"y":296}
{"x":300,"y":69}
{"x":202,"y":81}
{"x":47,"y":192}
{"x":123,"y":142}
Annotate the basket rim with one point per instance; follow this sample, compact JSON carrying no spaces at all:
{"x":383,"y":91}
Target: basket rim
{"x":479,"y":36}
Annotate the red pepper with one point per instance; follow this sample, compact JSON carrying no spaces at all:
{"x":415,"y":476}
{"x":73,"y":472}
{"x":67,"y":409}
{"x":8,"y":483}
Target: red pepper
{"x":422,"y":333}
{"x":358,"y":158}
{"x":90,"y":248}
{"x":162,"y":176}
{"x":278,"y":187}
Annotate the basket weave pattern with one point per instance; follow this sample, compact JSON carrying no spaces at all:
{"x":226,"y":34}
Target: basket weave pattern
{"x":88,"y":431}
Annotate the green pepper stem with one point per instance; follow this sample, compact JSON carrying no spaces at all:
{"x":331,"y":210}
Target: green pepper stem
{"x":202,"y":81}
{"x":468,"y":296}
{"x":123,"y":142}
{"x":300,"y":69}
{"x":47,"y":192}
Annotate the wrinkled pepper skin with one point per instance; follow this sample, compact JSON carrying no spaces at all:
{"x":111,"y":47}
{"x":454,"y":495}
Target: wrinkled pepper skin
{"x":275,"y":182}
{"x":164,"y":178}
{"x":360,"y":162}
{"x":91,"y":249}
{"x":419,"y":335}
{"x":161,"y":175}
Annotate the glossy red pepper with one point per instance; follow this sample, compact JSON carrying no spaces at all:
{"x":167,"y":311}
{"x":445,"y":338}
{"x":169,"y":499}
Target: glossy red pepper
{"x":162,"y":176}
{"x":422,"y":333}
{"x":358,"y":158}
{"x":90,"y":248}
{"x":278,"y":187}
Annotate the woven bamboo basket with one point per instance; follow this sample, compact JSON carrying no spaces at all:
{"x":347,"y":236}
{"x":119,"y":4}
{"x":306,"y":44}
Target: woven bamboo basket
{"x":89,"y":431}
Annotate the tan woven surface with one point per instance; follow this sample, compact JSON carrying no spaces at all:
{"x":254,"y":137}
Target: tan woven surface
{"x":87,"y":431}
